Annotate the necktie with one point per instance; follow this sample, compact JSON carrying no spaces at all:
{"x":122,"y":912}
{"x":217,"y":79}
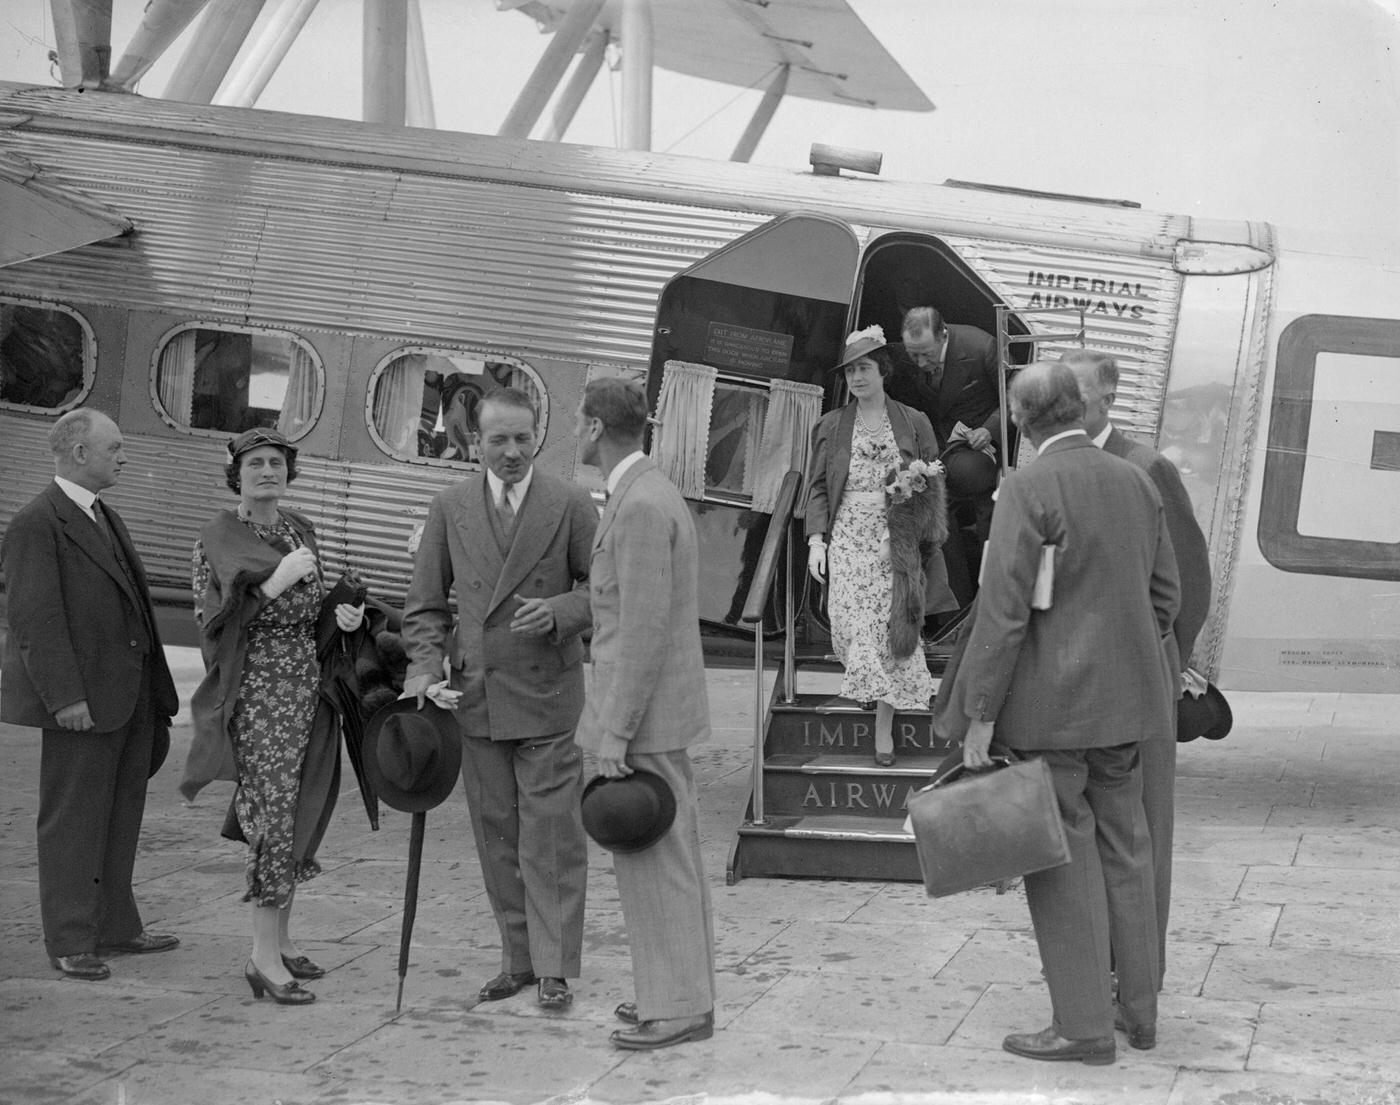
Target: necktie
{"x":507,"y":511}
{"x":104,"y":527}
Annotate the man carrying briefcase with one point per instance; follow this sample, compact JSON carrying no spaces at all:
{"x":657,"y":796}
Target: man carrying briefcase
{"x":1079,"y":677}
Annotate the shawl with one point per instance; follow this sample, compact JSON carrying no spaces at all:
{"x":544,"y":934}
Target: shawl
{"x":239,"y":562}
{"x":918,"y":527}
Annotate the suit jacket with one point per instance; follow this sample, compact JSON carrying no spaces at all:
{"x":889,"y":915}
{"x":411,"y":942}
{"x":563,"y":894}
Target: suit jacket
{"x":78,"y":628}
{"x":968,"y":392}
{"x":514,"y":687}
{"x":1188,"y":542}
{"x":648,"y":669}
{"x":830,"y":464}
{"x":1099,"y":667}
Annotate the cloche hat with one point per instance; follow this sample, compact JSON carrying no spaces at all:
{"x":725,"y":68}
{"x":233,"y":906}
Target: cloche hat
{"x":861,"y":343}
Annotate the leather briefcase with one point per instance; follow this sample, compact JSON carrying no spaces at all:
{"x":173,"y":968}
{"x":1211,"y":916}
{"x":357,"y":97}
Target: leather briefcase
{"x":974,"y":828}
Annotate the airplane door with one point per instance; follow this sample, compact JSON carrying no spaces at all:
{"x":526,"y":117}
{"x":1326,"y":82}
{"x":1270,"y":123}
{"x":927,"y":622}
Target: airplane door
{"x":772,"y":305}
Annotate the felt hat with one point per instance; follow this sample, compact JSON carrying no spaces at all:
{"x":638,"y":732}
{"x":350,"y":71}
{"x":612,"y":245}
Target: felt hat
{"x":256,"y":438}
{"x":628,"y":814}
{"x":412,"y":756}
{"x":1208,"y":716}
{"x":861,"y":343}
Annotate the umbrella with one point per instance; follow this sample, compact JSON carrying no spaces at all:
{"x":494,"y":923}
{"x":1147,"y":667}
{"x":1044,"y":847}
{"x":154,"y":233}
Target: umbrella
{"x":413,"y":756}
{"x":410,"y":897}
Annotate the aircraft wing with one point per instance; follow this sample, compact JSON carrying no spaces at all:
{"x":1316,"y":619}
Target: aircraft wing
{"x":833,"y":56}
{"x":43,"y":218}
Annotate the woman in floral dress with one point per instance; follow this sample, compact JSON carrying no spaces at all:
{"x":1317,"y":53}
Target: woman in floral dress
{"x":853,"y":450}
{"x":258,"y":593}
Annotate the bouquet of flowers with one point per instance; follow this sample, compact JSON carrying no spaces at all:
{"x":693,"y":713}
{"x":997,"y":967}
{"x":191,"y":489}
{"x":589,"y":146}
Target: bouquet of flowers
{"x":905,"y":481}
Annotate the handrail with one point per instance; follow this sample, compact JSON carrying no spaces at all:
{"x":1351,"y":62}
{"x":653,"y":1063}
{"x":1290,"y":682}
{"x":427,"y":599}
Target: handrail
{"x":767,"y":568}
{"x":777,"y":541}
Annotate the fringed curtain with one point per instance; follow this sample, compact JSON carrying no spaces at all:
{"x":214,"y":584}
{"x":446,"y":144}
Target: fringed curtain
{"x":398,"y":402}
{"x":175,"y":377}
{"x":683,"y":409}
{"x":299,"y":404}
{"x":793,"y":411}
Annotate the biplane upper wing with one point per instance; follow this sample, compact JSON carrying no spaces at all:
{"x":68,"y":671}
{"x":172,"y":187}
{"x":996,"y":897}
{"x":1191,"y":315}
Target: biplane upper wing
{"x":43,"y":218}
{"x":831,"y":54}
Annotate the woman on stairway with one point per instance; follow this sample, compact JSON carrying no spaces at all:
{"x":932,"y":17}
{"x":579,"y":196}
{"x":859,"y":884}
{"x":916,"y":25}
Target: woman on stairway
{"x":876,"y":520}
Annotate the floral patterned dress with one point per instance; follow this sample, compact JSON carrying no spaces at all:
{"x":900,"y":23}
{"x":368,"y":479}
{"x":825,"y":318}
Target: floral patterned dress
{"x":862,"y":582}
{"x":271,"y":724}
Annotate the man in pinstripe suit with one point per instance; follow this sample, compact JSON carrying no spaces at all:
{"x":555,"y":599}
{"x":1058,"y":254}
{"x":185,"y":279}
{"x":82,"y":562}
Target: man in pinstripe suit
{"x":646,"y":706}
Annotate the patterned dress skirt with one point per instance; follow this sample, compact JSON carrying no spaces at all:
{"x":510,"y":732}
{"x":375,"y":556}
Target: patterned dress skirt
{"x":862,"y":583}
{"x":271,"y":727}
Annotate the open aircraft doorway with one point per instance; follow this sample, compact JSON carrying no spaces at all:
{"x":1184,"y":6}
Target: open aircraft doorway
{"x":743,"y":346}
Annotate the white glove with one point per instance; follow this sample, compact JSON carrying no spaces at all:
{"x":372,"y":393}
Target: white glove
{"x":349,"y":618}
{"x":297,"y":564}
{"x":816,"y":561}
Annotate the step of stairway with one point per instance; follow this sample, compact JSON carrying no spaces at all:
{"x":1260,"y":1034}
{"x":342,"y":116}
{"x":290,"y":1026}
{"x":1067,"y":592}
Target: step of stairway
{"x":843,"y":786}
{"x":830,"y":725}
{"x":846,"y":847}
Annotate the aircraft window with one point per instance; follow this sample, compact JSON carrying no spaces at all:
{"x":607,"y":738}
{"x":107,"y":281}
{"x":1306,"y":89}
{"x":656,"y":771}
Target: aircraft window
{"x":47,"y":356}
{"x":423,"y":402}
{"x":234,"y":380}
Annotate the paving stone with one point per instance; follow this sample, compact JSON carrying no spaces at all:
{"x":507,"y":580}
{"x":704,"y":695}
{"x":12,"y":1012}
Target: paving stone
{"x":1314,"y":977}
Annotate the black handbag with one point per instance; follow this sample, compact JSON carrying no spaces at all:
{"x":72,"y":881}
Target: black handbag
{"x":975,"y":828}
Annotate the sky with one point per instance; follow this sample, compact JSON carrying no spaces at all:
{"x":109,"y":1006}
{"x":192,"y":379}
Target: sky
{"x":1279,"y":110}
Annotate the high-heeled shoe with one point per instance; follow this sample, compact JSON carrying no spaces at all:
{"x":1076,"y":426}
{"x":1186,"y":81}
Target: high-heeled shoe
{"x":289,"y":994}
{"x":303,"y":968}
{"x":885,"y":759}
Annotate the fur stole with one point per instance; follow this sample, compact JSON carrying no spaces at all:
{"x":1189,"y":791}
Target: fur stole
{"x":918,"y":527}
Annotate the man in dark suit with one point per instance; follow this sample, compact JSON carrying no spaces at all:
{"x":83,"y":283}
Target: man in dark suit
{"x":515,"y":543}
{"x":647,"y":705}
{"x":1097,"y":375}
{"x":1081,"y":678}
{"x":950,"y":373}
{"x":84,"y":663}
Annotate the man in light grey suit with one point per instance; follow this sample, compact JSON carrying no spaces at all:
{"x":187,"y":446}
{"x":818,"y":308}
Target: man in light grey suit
{"x":1081,"y":684}
{"x":515,"y":543}
{"x":1097,"y":375}
{"x":646,"y":706}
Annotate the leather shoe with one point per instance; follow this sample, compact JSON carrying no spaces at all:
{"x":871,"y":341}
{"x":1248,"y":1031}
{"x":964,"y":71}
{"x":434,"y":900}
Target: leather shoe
{"x":650,"y":1035}
{"x":303,"y":968}
{"x":553,"y":993}
{"x":141,"y":943}
{"x":884,"y":759}
{"x":506,"y":985}
{"x":85,"y":966}
{"x":627,"y":1012}
{"x":1140,"y":1036}
{"x":1098,"y":1051}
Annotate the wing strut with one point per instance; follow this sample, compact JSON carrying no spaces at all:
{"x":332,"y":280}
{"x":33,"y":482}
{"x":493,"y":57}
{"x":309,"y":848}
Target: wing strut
{"x":549,"y":70}
{"x":247,"y":82}
{"x":638,"y":50}
{"x":218,"y":37}
{"x":582,"y":80}
{"x":762,"y":116}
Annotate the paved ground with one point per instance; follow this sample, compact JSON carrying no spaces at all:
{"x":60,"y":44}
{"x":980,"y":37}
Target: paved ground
{"x":1282,"y":986}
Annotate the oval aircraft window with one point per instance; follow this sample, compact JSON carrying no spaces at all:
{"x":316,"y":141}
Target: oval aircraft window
{"x":47,"y":356}
{"x":230,"y":380}
{"x":423,"y":402}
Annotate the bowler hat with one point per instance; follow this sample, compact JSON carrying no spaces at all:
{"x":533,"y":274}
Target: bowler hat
{"x":630,"y":813}
{"x":861,"y":344}
{"x":1208,"y":716}
{"x":411,"y":755}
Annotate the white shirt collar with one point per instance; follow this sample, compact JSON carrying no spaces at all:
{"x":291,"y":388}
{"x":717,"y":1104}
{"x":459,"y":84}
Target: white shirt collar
{"x":516,"y":491}
{"x":1102,"y":436}
{"x":620,"y":469}
{"x":1056,"y":437}
{"x":80,"y":495}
